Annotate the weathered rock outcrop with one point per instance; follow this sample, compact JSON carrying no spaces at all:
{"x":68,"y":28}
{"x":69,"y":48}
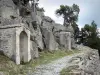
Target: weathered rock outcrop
{"x":87,"y":63}
{"x":8,"y":13}
{"x":20,"y":19}
{"x":49,"y":40}
{"x":51,"y":32}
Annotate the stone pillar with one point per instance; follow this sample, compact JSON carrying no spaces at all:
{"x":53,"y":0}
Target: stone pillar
{"x":27,"y":52}
{"x":65,"y":40}
{"x":69,"y":41}
{"x":17,"y":59}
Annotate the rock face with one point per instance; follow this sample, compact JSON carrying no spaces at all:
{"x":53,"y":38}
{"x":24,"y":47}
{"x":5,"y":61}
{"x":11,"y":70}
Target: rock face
{"x":88,"y":62}
{"x":24,"y":29}
{"x":39,"y":39}
{"x":49,"y":40}
{"x":8,"y":13}
{"x":6,"y":41}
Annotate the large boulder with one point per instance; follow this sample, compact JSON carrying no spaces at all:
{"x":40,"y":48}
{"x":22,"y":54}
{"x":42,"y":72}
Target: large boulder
{"x":8,"y":13}
{"x":39,"y":39}
{"x":34,"y":49}
{"x":47,"y":33}
{"x":36,"y":36}
{"x":58,"y":28}
{"x":49,"y":40}
{"x":39,"y":17}
{"x":47,"y":19}
{"x":69,"y":28}
{"x":88,"y":61}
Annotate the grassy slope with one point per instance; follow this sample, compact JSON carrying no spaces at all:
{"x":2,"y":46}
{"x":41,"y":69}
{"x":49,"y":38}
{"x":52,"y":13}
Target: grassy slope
{"x":7,"y":66}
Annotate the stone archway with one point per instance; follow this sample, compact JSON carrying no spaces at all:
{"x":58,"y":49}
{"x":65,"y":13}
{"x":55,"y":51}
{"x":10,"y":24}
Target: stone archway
{"x":23,"y":49}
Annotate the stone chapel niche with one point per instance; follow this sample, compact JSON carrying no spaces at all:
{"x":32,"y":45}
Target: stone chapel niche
{"x":23,"y":47}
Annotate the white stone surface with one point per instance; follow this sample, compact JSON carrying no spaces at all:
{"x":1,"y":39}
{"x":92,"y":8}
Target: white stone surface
{"x":28,"y":52}
{"x":65,"y":40}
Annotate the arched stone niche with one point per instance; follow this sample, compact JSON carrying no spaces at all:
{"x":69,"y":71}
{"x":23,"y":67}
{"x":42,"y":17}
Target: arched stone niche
{"x":22,"y":45}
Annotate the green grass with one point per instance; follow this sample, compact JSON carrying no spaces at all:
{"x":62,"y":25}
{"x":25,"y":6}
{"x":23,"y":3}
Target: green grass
{"x":47,"y":57}
{"x":6,"y":65}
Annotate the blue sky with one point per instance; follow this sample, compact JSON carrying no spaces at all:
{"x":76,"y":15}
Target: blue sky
{"x":89,"y":10}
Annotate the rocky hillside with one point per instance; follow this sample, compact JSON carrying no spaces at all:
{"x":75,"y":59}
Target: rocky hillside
{"x":85,"y":64}
{"x":42,"y":31}
{"x":44,"y":34}
{"x":52,"y":33}
{"x":85,"y":61}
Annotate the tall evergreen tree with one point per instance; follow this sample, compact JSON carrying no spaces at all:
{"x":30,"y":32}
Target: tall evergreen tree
{"x":70,"y":14}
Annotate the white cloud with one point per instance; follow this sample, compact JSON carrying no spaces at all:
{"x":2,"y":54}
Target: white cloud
{"x":88,"y":10}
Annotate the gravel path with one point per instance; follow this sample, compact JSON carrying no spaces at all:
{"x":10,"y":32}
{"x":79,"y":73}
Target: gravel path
{"x":54,"y":67}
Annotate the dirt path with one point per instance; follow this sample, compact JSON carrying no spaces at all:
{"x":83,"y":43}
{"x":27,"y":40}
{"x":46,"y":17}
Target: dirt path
{"x":54,"y":67}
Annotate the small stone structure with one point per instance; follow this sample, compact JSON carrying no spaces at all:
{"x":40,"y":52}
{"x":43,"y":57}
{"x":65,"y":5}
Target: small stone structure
{"x":65,"y":40}
{"x":15,"y":33}
{"x":15,"y":42}
{"x":24,"y":29}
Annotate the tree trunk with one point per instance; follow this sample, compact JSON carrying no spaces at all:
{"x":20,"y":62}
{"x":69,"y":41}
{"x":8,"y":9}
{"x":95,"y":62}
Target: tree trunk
{"x":64,"y":22}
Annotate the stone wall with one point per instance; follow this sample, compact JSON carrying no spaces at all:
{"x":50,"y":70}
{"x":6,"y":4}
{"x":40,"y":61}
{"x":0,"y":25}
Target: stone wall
{"x":7,"y":41}
{"x":13,"y":41}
